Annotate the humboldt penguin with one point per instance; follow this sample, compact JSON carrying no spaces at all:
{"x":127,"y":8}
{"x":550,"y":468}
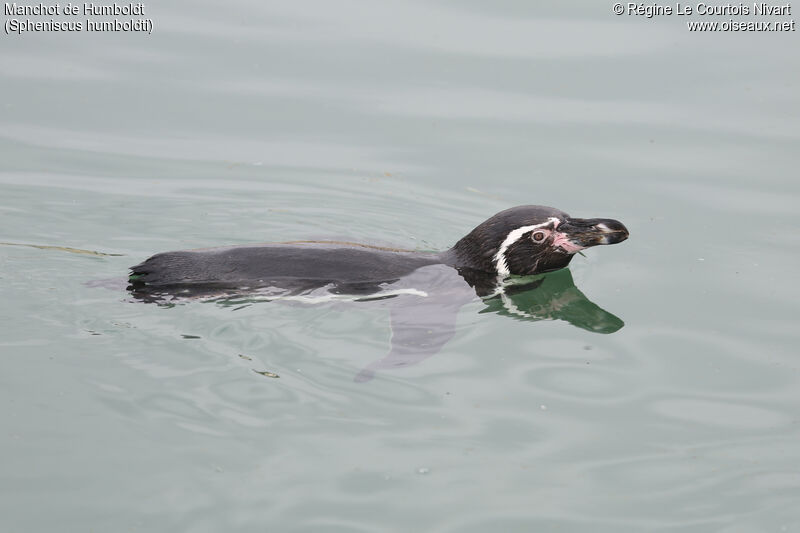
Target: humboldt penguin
{"x":427,"y":288}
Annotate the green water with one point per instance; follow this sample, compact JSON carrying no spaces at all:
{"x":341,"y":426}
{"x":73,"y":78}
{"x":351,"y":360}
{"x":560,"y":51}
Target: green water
{"x":406,"y":124}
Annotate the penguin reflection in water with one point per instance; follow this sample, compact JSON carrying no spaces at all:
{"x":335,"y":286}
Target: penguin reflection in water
{"x":423,"y":290}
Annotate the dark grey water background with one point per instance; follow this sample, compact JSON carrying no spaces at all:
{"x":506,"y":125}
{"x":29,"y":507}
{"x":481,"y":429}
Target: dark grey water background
{"x":404,"y":123}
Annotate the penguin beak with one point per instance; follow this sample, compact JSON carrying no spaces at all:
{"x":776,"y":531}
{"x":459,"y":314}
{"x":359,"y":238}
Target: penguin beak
{"x":576,"y":234}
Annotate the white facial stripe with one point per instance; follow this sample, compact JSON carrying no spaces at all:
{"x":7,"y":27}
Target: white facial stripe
{"x":602,"y":227}
{"x":500,"y":257}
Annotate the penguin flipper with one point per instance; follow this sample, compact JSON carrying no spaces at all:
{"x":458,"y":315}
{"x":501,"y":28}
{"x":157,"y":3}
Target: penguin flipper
{"x":419,"y":330}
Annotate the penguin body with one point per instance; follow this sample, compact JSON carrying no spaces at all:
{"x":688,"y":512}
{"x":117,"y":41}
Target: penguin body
{"x":427,"y":288}
{"x":523,"y":240}
{"x":344,"y":268}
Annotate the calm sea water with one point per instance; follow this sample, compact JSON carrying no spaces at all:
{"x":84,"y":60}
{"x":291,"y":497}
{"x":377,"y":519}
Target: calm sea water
{"x":403,"y":123}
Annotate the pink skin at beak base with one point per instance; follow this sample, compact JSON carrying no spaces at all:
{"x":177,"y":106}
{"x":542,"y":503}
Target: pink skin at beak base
{"x":560,"y":240}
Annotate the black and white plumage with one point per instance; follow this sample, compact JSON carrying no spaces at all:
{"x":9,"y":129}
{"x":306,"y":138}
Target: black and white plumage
{"x":530,"y":240}
{"x":427,"y":288}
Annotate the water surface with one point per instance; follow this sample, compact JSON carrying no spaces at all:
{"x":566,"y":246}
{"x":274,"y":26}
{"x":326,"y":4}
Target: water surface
{"x":406,"y":124}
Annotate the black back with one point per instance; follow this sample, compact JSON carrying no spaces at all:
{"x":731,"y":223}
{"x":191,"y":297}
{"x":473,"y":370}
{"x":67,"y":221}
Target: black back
{"x":355,"y":269}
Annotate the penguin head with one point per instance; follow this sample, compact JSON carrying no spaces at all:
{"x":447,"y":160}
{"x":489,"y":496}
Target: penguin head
{"x":532,"y":239}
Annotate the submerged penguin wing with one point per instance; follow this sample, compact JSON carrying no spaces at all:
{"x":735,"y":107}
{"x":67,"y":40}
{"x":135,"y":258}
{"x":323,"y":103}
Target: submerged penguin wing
{"x":422,"y":325}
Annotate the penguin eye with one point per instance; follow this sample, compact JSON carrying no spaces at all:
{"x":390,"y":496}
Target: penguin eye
{"x":538,"y":236}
